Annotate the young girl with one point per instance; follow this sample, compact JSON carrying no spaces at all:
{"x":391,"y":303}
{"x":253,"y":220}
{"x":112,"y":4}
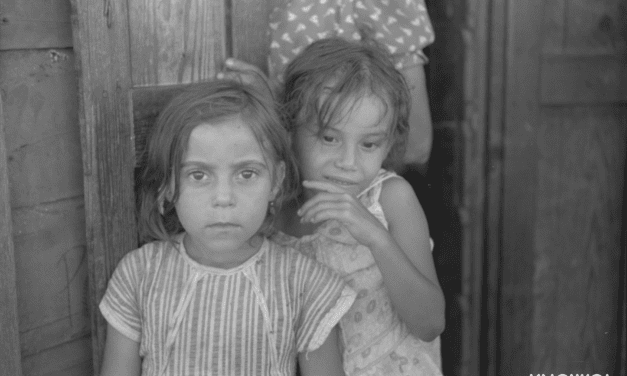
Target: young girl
{"x":347,"y":109}
{"x":211,"y":295}
{"x":402,"y":26}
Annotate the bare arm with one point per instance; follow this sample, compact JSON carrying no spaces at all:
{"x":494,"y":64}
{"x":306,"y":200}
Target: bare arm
{"x":420,"y":126}
{"x":406,"y":262}
{"x":325,"y":360}
{"x":121,"y":355}
{"x":403,"y":252}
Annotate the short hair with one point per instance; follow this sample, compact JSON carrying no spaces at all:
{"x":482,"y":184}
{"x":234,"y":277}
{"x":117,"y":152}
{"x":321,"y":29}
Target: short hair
{"x":351,"y":70}
{"x":209,"y":102}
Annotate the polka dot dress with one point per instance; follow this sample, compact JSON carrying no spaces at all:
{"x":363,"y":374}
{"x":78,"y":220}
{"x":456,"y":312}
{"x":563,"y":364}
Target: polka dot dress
{"x":402,"y":26}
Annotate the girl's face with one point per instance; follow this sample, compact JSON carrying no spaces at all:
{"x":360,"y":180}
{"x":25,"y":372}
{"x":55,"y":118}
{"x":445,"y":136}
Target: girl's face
{"x":225,"y":185}
{"x":349,"y":152}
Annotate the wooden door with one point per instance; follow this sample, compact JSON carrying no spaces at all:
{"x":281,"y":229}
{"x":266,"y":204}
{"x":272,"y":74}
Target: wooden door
{"x":126,"y":52}
{"x":557,"y":113}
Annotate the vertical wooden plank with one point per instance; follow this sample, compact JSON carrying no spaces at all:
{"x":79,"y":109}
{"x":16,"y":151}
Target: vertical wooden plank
{"x":471,"y":211}
{"x":10,"y":358}
{"x":524,"y":20}
{"x":175,"y":42}
{"x":101,"y":43}
{"x":554,"y":18}
{"x":249,"y":30}
{"x":491,"y":333}
{"x":42,"y":136}
{"x":581,"y":159}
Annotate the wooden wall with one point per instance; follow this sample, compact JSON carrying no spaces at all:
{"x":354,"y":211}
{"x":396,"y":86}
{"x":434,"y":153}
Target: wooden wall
{"x":559,"y":144}
{"x":38,"y":89}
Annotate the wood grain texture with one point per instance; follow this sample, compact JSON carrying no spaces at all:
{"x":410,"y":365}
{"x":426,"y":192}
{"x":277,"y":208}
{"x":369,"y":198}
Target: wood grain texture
{"x":28,"y":24}
{"x":43,"y":142}
{"x":522,"y":69}
{"x":176,"y":42}
{"x":581,"y":165}
{"x":594,"y":25}
{"x":583,"y":79}
{"x":249,"y":27}
{"x":580,"y":26}
{"x":490,"y":364}
{"x":10,"y":358}
{"x":472,"y":208}
{"x":51,"y":262}
{"x":101,"y":44}
{"x":71,"y":359}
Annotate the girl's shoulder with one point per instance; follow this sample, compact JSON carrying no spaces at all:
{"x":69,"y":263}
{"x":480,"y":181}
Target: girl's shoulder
{"x":289,"y":247}
{"x":302,"y":246}
{"x":385,"y":183}
{"x":397,"y":195}
{"x":396,"y":187}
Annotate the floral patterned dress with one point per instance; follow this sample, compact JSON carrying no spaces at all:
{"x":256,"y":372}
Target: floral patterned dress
{"x":375,"y":340}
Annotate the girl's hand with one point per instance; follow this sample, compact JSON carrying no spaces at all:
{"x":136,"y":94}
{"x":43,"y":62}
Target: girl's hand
{"x":247,"y":74}
{"x":333,"y":203}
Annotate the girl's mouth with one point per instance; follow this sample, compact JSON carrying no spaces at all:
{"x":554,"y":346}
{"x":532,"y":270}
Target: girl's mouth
{"x":223,"y":225}
{"x":342,"y":183}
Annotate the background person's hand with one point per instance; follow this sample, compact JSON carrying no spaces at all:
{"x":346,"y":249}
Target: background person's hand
{"x":246,"y":73}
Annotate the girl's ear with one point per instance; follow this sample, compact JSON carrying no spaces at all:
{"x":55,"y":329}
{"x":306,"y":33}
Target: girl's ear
{"x":166,"y":192}
{"x":278,"y":180}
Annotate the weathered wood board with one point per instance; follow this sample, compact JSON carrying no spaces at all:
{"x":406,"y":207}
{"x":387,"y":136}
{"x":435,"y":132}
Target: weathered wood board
{"x":176,"y":42}
{"x":10,"y":359}
{"x":28,"y":24}
{"x":44,"y":145}
{"x":564,"y":147}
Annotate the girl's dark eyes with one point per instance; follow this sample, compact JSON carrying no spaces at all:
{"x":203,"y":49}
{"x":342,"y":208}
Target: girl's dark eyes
{"x":248,"y":174}
{"x":197,"y":175}
{"x":326,"y":138}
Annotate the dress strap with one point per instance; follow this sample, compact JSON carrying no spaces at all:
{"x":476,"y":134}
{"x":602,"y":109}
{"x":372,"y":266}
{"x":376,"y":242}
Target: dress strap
{"x":376,"y":183}
{"x":369,"y":197}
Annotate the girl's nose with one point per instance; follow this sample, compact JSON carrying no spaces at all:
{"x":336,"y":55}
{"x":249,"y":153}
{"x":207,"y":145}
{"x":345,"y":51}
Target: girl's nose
{"x":223,"y":194}
{"x":347,"y":158}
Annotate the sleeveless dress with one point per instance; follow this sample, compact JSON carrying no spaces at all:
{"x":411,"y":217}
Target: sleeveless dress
{"x":402,"y":26}
{"x":375,"y":340}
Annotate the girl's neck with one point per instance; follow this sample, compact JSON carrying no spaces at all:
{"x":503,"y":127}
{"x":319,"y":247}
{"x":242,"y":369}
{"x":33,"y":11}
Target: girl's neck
{"x":202,"y":255}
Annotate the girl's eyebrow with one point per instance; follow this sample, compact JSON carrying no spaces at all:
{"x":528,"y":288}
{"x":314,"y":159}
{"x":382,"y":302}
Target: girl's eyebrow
{"x":239,"y":164}
{"x":382,"y":133}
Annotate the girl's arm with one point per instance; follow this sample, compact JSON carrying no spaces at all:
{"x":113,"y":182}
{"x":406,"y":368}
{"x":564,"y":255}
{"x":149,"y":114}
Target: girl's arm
{"x":121,"y":355}
{"x":325,"y":360}
{"x":403,"y":253}
{"x":420,"y":127}
{"x":406,"y":262}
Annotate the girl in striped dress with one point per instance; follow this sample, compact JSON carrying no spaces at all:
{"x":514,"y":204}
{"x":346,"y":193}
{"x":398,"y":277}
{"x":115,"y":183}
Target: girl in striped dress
{"x":210,"y":294}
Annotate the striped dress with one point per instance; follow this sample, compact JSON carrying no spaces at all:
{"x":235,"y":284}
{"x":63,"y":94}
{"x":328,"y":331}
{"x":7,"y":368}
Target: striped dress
{"x":192,"y":319}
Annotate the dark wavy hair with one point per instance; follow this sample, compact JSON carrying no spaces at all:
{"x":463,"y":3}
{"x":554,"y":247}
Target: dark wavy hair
{"x":210,"y":102}
{"x":331,"y":73}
